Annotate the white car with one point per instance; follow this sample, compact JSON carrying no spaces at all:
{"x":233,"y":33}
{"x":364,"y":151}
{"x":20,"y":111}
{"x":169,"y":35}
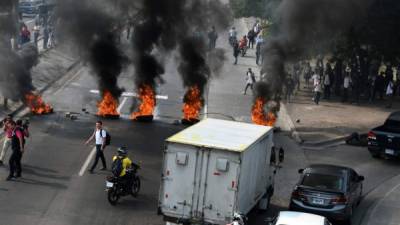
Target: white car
{"x":298,"y":218}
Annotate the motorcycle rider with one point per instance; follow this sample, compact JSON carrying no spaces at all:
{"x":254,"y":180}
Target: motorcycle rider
{"x":126,"y":163}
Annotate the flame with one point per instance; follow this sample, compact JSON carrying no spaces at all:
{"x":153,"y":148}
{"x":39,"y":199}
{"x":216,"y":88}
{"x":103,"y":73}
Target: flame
{"x":108,"y":105}
{"x":148,"y":102}
{"x":36,"y":104}
{"x":259,"y":116}
{"x":192,"y":103}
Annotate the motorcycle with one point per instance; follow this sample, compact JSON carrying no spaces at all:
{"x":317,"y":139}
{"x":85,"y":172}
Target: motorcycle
{"x":117,"y":187}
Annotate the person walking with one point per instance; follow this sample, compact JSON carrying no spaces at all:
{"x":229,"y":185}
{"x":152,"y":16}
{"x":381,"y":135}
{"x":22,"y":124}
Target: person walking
{"x":45,"y":37}
{"x":17,"y":146}
{"x":259,"y":45}
{"x":389,"y":93}
{"x":316,"y":78}
{"x":100,"y":140}
{"x":251,"y":35}
{"x":36,"y":33}
{"x":212,"y":38}
{"x":7,"y":140}
{"x":250,"y":80}
{"x":236,"y":52}
{"x":289,"y":86}
{"x":346,"y":84}
{"x":25,"y":35}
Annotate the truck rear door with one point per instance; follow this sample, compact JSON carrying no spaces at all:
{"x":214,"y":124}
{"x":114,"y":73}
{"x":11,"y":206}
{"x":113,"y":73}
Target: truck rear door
{"x":220,"y":182}
{"x":178,"y":180}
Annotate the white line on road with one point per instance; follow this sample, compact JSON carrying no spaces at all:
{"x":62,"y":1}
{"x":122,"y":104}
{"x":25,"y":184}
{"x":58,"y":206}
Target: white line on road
{"x":121,"y":105}
{"x":131,"y":94}
{"x":86,"y":164}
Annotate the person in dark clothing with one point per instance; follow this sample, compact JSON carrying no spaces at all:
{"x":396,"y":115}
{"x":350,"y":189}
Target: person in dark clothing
{"x":289,"y":86}
{"x":17,"y":146}
{"x":99,"y":135}
{"x":236,"y":52}
{"x":251,"y":35}
{"x":379,"y":86}
{"x":338,"y":75}
{"x":212,"y":38}
{"x":46,"y":34}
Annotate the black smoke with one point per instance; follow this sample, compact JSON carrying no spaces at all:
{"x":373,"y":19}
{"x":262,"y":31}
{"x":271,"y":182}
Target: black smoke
{"x":93,"y":30}
{"x":303,"y":29}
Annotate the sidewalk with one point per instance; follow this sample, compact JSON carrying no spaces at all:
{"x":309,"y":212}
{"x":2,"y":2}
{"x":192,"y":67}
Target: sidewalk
{"x":333,"y":120}
{"x":53,"y":64}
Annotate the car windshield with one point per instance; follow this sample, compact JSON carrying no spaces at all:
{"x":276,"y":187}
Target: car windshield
{"x":323,"y":181}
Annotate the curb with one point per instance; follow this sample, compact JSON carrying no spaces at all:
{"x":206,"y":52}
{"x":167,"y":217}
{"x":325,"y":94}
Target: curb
{"x":21,"y":108}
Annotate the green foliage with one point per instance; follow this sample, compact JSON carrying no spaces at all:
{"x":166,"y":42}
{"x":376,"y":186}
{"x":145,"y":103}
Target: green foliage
{"x":247,"y":8}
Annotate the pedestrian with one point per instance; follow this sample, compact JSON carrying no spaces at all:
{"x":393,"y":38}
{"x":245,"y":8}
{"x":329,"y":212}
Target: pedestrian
{"x":232,"y":36}
{"x":5,"y":124}
{"x":129,"y":25}
{"x":17,"y":146}
{"x":250,"y":80}
{"x":45,"y":37}
{"x":36,"y":33}
{"x":379,"y":86}
{"x":99,"y":135}
{"x":317,"y":91}
{"x":236,"y":52}
{"x":212,"y":38}
{"x":257,"y":27}
{"x":327,"y":81}
{"x":25,"y":35}
{"x":346,"y":84}
{"x":251,"y":35}
{"x":389,"y":93}
{"x":259,"y":45}
{"x":290,"y":85}
{"x":307,"y":74}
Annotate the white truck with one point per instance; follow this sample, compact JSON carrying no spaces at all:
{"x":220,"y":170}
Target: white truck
{"x":214,"y":169}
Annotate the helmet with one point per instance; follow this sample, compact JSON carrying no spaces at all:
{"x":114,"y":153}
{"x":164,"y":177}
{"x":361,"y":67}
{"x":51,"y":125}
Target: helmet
{"x":122,"y":151}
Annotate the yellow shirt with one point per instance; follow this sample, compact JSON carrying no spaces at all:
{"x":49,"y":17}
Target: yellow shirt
{"x":126,"y":163}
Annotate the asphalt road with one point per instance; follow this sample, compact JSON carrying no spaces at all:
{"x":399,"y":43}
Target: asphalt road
{"x":52,"y":192}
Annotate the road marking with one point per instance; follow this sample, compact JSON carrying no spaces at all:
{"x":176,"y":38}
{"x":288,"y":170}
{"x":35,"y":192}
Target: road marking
{"x":121,"y":105}
{"x":69,"y":81}
{"x":131,"y":94}
{"x":88,"y":159}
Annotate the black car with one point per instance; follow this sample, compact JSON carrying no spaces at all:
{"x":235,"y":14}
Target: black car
{"x":385,"y":140}
{"x":327,"y":190}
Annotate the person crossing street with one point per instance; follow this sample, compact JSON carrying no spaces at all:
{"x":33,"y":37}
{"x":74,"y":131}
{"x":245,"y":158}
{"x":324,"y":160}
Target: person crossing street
{"x":100,"y":139}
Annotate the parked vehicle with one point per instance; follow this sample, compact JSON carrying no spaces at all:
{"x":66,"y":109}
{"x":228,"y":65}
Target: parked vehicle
{"x":385,"y":140}
{"x":30,"y":7}
{"x":297,"y":218}
{"x":117,"y":188}
{"x":328,"y":190}
{"x":215,"y":169}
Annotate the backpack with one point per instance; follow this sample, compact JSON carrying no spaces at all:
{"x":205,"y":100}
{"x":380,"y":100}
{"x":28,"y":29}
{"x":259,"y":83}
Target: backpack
{"x":116,"y":167}
{"x":108,"y":137}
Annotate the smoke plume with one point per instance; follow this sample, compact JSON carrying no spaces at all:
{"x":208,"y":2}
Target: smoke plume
{"x":305,"y":27}
{"x":94,"y":32}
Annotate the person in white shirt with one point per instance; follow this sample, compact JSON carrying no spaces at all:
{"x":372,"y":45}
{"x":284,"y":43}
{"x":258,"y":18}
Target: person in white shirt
{"x":346,"y":84}
{"x":389,"y":93}
{"x":250,"y":80}
{"x":100,"y":139}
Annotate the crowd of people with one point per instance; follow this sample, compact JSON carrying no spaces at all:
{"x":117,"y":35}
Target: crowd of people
{"x":15,"y":134}
{"x":353,"y":80}
{"x":253,"y":37}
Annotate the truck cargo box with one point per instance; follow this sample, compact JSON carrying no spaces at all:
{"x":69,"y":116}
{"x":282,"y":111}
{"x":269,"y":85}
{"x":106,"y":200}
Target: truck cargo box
{"x":213,"y":169}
